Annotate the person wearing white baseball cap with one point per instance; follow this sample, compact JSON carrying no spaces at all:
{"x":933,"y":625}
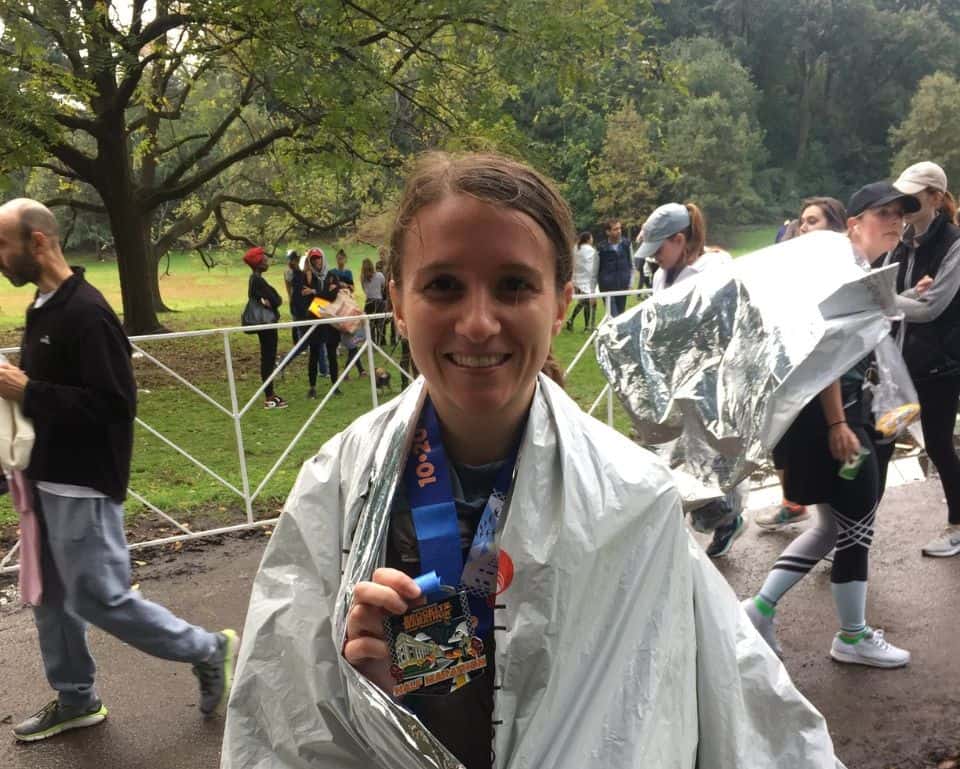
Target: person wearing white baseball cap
{"x":674,"y":236}
{"x":929,"y":286}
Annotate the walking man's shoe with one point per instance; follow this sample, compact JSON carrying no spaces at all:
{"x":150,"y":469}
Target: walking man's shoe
{"x":216,"y":674}
{"x":54,"y":718}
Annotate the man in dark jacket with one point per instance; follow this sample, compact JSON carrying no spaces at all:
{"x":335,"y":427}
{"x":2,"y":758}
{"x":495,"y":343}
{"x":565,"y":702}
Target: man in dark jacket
{"x":614,"y":265}
{"x":75,"y":382}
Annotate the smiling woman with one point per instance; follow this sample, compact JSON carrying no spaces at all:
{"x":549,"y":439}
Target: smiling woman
{"x":541,"y":541}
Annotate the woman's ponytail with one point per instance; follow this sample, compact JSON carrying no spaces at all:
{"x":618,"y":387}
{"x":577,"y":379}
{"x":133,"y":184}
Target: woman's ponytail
{"x":949,"y":207}
{"x":696,"y":234}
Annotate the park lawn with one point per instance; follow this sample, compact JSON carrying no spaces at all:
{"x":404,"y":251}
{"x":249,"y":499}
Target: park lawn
{"x":743,"y":240}
{"x":214,"y":299}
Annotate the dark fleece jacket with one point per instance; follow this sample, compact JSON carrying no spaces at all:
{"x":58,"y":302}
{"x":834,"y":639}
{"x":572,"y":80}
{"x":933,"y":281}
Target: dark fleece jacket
{"x":81,"y":396}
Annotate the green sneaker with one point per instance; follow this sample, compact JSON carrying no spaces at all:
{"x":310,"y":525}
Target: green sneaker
{"x":54,"y":718}
{"x":216,"y":674}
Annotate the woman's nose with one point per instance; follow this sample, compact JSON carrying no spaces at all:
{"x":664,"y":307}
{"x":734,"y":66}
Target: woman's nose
{"x":478,"y":317}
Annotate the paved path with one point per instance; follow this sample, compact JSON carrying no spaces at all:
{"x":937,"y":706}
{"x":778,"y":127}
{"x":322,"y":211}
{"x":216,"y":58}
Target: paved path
{"x":879,"y":719}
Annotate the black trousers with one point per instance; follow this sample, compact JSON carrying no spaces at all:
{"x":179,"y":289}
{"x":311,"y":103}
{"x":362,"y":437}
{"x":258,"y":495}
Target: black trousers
{"x":618,"y":304}
{"x":939,"y":398}
{"x":372,"y":307}
{"x":587,"y":305}
{"x":268,"y":356}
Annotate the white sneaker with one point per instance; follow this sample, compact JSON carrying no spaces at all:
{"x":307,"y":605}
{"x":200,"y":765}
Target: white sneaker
{"x":873,"y":649}
{"x":782,"y":516}
{"x":766,"y":626}
{"x":947,"y":544}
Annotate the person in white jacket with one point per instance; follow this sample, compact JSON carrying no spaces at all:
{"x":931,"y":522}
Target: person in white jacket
{"x":598,"y":635}
{"x":585,"y":266}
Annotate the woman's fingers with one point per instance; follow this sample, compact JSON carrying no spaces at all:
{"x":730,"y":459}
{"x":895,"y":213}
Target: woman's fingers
{"x":402,"y":583}
{"x":365,"y":649}
{"x":379,"y":596}
{"x":365,"y":620}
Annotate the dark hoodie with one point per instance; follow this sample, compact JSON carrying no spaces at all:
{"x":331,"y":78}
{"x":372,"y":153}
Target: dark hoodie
{"x":82,"y":396}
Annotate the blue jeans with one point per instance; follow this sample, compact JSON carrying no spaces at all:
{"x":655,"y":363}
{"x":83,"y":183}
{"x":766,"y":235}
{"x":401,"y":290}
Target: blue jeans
{"x":86,"y":580}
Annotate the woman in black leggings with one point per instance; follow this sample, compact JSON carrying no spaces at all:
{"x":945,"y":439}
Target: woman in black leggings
{"x":261,"y":291}
{"x":831,"y":430}
{"x":929,"y":282}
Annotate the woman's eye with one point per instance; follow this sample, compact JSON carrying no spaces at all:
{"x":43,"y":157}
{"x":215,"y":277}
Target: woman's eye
{"x":442,"y":284}
{"x":516,"y":285}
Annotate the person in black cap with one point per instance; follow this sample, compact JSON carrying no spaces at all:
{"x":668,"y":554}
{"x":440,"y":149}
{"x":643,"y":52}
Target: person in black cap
{"x":834,"y":429}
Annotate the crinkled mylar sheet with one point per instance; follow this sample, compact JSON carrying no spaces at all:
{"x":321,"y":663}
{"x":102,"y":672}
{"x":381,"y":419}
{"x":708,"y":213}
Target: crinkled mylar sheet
{"x":720,"y":365}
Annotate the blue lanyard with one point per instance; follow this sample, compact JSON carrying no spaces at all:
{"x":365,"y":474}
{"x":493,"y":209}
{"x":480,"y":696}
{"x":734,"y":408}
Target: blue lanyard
{"x":427,"y":478}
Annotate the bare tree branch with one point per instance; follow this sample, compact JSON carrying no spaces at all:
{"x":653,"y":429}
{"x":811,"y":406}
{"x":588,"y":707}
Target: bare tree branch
{"x":201,"y":152}
{"x":160,"y":26}
{"x":178,"y":143}
{"x":80,"y":205}
{"x":75,"y":123}
{"x":128,"y":85}
{"x":310,"y":224}
{"x":66,"y":173}
{"x":165,"y":192}
{"x":222,"y":224}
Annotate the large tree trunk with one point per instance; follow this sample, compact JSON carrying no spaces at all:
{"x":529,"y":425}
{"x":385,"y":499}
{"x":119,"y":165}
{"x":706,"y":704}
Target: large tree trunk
{"x":153,"y":266}
{"x":128,"y":225}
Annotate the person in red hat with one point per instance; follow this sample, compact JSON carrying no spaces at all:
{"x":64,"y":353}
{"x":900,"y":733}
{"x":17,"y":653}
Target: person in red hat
{"x":261,"y":291}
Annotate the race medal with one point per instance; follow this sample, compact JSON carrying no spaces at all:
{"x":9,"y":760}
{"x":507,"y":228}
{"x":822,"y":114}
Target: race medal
{"x":434,"y":648}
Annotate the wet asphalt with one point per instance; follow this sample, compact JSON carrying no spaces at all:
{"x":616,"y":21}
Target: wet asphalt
{"x":879,"y":719}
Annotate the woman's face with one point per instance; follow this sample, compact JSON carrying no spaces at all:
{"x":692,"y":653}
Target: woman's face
{"x":479,"y":305}
{"x":930,"y":202}
{"x":670,"y":254}
{"x":877,"y":230}
{"x":812,"y":218}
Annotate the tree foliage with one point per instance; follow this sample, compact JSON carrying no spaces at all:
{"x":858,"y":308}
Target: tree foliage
{"x":626,"y":176}
{"x":929,"y":130}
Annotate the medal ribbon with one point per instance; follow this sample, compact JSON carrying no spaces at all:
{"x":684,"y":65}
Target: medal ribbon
{"x":427,"y":478}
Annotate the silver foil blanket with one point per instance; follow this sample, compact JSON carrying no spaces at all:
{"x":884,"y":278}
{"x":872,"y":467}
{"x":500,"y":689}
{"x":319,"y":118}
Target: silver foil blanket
{"x":718,"y":366}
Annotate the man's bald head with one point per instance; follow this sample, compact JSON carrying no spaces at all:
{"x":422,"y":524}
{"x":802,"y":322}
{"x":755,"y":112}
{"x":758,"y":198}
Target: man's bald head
{"x":32,"y":216}
{"x":30,"y":245}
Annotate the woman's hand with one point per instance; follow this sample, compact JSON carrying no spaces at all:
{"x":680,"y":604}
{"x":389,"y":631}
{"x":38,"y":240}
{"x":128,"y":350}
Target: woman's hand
{"x":844,"y":444}
{"x":923,"y":285}
{"x":266,"y":303}
{"x":306,"y":291}
{"x":389,"y":592}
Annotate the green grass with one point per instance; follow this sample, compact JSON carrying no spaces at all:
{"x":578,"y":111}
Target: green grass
{"x":742,"y":240}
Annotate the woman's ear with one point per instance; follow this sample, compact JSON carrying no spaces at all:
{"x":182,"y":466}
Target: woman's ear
{"x":398,"y":318}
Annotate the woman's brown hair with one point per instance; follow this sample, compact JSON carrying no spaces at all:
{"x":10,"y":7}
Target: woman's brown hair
{"x":366,"y":271}
{"x":833,"y":212}
{"x":949,"y":207}
{"x":497,"y":180}
{"x":696,"y":233}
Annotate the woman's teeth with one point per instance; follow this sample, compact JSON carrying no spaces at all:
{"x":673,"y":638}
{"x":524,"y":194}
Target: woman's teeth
{"x":477,"y":361}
